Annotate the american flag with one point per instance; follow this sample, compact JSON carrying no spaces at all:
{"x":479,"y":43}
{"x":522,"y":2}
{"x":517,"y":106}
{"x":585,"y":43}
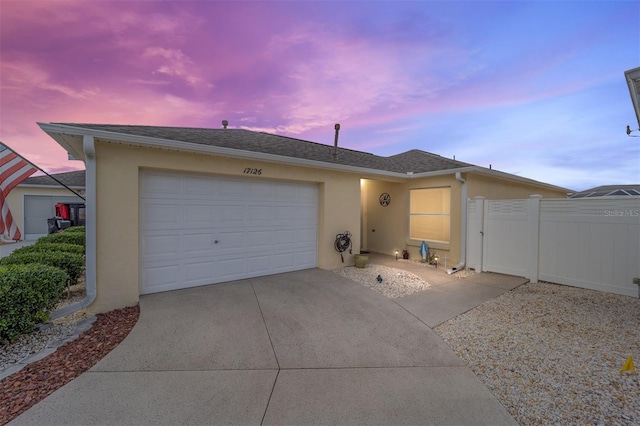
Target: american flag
{"x":13,"y":170}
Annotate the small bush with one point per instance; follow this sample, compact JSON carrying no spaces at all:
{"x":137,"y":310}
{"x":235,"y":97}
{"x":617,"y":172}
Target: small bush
{"x":27,"y":295}
{"x":52,"y":247}
{"x":75,"y":229}
{"x":63,"y":237}
{"x":71,"y":263}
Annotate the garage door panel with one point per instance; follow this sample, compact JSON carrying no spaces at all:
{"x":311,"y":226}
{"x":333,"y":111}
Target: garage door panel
{"x":231,"y":214}
{"x":262,"y":227}
{"x":283,"y":261}
{"x":159,"y":185}
{"x":161,"y":214}
{"x":153,"y":245}
{"x":260,"y":238}
{"x":198,"y":272}
{"x":258,"y":265}
{"x":230,"y":241}
{"x":198,"y":243}
{"x":306,"y":258}
{"x":198,"y":214}
{"x":230,"y":189}
{"x":161,"y":278}
{"x":283,"y":236}
{"x":304,"y":236}
{"x":258,"y":215}
{"x":232,"y":267}
{"x":259,"y":190}
{"x":199,"y":185}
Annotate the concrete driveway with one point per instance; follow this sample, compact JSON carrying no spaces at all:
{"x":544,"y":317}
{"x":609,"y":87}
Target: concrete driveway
{"x":307,"y":347}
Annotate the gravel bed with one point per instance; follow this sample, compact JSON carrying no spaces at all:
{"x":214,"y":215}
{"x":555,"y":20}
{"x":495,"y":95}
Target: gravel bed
{"x":552,"y":354}
{"x":395,"y":282}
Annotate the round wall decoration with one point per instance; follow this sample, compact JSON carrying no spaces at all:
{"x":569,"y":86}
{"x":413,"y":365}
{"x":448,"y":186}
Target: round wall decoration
{"x":385,"y":199}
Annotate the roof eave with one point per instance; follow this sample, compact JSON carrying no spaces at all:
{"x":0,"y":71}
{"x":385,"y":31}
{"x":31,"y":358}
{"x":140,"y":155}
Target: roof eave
{"x":633,"y":81}
{"x":59,"y":133}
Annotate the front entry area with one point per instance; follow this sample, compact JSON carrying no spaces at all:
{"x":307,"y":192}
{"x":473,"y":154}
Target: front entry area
{"x":197,"y":229}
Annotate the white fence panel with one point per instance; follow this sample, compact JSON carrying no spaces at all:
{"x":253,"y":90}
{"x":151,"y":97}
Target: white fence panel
{"x":505,"y":237}
{"x":475,"y":210}
{"x":590,"y":243}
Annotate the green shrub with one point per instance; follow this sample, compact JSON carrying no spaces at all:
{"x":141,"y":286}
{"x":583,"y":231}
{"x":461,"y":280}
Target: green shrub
{"x":63,"y":237}
{"x":27,"y":295}
{"x":75,"y":229}
{"x":52,"y":247}
{"x":71,"y":263}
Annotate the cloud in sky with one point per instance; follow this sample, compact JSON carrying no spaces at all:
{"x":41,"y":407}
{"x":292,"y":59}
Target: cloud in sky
{"x":533,"y":88}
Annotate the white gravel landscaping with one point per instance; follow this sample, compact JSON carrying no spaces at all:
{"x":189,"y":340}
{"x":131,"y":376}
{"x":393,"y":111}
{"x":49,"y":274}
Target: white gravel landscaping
{"x":552,"y":354}
{"x":395,"y":282}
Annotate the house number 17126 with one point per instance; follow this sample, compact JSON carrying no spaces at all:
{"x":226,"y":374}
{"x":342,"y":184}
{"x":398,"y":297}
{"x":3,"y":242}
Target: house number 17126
{"x":250,"y":171}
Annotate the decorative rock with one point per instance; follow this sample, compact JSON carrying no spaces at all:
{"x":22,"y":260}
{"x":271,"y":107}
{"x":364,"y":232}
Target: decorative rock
{"x":390,"y":282}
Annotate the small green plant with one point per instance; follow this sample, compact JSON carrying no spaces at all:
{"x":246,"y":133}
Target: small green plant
{"x":77,"y":238}
{"x":51,"y":247}
{"x":71,"y":263}
{"x":27,"y":295}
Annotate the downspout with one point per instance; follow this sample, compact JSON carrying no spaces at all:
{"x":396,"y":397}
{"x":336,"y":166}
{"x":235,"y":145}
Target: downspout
{"x":463,"y":226}
{"x":88,"y":146}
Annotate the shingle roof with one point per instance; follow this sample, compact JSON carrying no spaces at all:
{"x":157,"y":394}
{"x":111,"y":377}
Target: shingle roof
{"x":415,"y":161}
{"x":608,"y":191}
{"x":72,"y":179}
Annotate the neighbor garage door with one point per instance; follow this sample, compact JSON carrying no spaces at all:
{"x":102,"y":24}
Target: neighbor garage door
{"x":198,"y":230}
{"x":39,"y":208}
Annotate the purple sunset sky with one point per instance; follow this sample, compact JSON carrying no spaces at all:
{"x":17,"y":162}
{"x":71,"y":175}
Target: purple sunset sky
{"x":535,"y":89}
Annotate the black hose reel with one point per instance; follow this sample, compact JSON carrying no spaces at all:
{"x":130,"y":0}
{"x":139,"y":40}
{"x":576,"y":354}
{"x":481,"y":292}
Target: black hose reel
{"x":343,"y":243}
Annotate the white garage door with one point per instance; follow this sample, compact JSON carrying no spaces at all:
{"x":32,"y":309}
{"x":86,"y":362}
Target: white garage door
{"x":198,"y":230}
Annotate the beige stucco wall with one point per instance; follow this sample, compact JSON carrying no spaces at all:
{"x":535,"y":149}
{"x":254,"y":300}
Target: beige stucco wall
{"x":388,"y":227}
{"x":118,"y":169}
{"x":15,"y":199}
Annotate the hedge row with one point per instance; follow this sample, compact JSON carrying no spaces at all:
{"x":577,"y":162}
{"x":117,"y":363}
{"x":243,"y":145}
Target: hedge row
{"x":27,"y":294}
{"x":75,"y":229}
{"x":51,"y":247}
{"x":71,"y":263}
{"x":65,"y":237}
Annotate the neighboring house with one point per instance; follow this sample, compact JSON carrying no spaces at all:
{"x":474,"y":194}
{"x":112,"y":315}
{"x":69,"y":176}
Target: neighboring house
{"x":608,"y":191}
{"x":171,"y":208}
{"x":33,"y":201}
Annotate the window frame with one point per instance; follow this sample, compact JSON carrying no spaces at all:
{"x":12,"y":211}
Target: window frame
{"x":430,"y":214}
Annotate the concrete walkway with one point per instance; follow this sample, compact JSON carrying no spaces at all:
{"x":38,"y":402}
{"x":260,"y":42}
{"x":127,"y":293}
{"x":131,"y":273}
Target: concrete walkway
{"x":449,"y":295}
{"x":7,"y":249}
{"x":307,"y":347}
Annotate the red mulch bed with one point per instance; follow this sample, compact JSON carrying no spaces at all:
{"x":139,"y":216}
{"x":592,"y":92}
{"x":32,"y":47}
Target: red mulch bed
{"x":36,"y":381}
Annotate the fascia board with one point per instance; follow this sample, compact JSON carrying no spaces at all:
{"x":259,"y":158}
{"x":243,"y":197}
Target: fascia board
{"x":56,"y":131}
{"x":633,"y":81}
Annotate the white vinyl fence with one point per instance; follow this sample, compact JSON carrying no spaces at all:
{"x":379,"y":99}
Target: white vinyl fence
{"x":589,"y":243}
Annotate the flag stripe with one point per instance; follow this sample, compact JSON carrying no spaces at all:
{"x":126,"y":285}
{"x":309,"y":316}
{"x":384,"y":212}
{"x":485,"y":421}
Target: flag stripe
{"x":15,"y":174}
{"x":7,"y":156}
{"x":13,"y":170}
